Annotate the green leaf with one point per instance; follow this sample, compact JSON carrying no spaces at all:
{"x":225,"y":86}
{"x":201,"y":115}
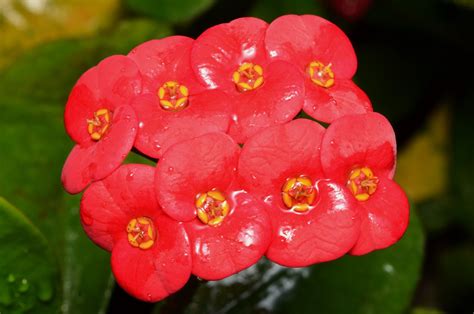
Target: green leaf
{"x":34,"y":147}
{"x":29,"y":278}
{"x":380,"y":282}
{"x":25,"y":24}
{"x":462,"y":167}
{"x":47,"y":73}
{"x":175,"y":11}
{"x":269,"y":10}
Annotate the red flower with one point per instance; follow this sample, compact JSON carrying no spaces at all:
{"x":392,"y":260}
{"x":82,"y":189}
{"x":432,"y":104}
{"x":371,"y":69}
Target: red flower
{"x":174,"y":106}
{"x":324,"y":54}
{"x":359,"y":152}
{"x":150,"y":251}
{"x":228,"y":229}
{"x":232,"y":57}
{"x":100,"y":121}
{"x":313,"y":219}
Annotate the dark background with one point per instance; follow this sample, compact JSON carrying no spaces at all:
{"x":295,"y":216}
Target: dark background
{"x":415,"y":63}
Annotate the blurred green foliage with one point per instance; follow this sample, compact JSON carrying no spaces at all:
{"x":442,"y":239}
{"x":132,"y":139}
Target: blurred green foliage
{"x":414,"y":63}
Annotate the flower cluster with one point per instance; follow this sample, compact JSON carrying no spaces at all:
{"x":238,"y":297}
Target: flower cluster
{"x":237,"y":177}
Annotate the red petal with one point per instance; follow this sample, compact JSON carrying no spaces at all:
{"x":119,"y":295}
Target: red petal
{"x":164,"y":60}
{"x":153,"y":274}
{"x":239,"y":242}
{"x":357,"y":141}
{"x":384,"y":218}
{"x":280,"y":152}
{"x":277,"y":101}
{"x":110,"y":84}
{"x":97,"y":160}
{"x":343,"y":98}
{"x":191,"y":167}
{"x":221,"y":49}
{"x":107,"y":206}
{"x":119,"y":80}
{"x":159,"y":129}
{"x":326,"y":232}
{"x":306,"y":38}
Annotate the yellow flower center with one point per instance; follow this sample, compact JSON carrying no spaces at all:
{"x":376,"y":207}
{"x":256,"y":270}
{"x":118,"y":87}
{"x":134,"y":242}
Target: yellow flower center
{"x":248,"y":77}
{"x":173,"y":96}
{"x":298,"y":193}
{"x":141,"y":233}
{"x":362,"y":183}
{"x":212,"y":207}
{"x":99,"y":124}
{"x":321,"y":74}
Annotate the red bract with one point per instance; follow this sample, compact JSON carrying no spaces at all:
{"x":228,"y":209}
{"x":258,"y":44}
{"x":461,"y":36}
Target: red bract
{"x":150,"y":251}
{"x":232,"y":57}
{"x":174,"y":106}
{"x":325,"y":56}
{"x":313,"y":219}
{"x":228,"y":229}
{"x":359,"y":151}
{"x":100,"y":121}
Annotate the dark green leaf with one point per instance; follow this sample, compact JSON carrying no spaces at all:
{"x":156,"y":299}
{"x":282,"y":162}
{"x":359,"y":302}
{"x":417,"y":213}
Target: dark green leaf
{"x":269,"y":10}
{"x":380,"y":282}
{"x":175,"y":11}
{"x":29,"y":277}
{"x":34,"y":147}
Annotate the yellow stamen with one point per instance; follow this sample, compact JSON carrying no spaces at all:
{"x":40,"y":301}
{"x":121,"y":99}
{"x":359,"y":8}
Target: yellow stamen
{"x":321,"y":74}
{"x":99,"y":124}
{"x":212,"y":207}
{"x":362,"y":183}
{"x":141,"y":233}
{"x":248,"y":77}
{"x":298,"y":193}
{"x":173,"y":96}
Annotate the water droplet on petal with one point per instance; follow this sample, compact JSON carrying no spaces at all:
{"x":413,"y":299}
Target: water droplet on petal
{"x":170,"y":169}
{"x":86,"y":218}
{"x":141,"y":125}
{"x":130,"y":176}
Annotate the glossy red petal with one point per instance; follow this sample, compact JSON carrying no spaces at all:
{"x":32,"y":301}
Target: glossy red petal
{"x":384,"y":218}
{"x":194,"y":166}
{"x":119,"y":81}
{"x":153,"y":274}
{"x":306,"y":38}
{"x":159,"y":129}
{"x":108,"y":205}
{"x":82,"y":103}
{"x":329,"y":104}
{"x":239,"y":242}
{"x":221,"y":49}
{"x":280,"y":152}
{"x":326,"y":232}
{"x":163,"y":60}
{"x":110,"y":84}
{"x":86,"y":164}
{"x":277,"y":101}
{"x":358,"y":141}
